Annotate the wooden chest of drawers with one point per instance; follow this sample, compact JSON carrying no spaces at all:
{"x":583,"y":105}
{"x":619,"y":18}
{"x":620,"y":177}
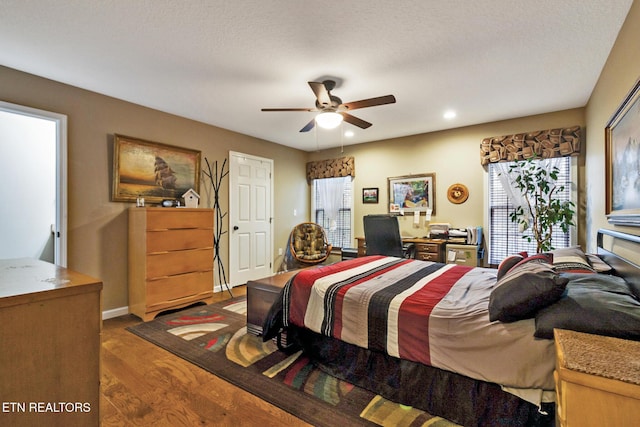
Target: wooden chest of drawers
{"x":597,"y":380}
{"x":50,"y":321}
{"x":170,"y":259}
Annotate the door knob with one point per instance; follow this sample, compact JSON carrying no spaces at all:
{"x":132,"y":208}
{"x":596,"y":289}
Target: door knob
{"x":235,"y":227}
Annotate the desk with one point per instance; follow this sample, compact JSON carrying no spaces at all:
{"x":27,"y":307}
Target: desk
{"x":426,"y":249}
{"x":50,"y":324}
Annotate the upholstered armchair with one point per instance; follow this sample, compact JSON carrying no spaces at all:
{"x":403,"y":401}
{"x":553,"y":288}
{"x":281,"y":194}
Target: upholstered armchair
{"x":307,"y":245}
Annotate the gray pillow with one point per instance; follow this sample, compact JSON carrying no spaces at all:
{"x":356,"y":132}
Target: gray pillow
{"x":571,"y":259}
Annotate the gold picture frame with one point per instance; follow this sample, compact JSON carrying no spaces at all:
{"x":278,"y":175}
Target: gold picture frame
{"x":411,"y":193}
{"x":152,"y":170}
{"x":622,"y":168}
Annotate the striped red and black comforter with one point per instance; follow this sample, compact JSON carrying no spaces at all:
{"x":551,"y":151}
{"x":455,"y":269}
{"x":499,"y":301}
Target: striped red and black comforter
{"x":432,"y":313}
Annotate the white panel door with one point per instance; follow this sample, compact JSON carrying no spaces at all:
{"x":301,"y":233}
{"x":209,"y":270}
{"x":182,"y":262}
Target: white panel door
{"x":250,"y":218}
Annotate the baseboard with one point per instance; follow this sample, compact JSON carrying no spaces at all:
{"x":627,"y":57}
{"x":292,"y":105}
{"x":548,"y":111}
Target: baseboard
{"x":222,"y":288}
{"x":109,"y":314}
{"x":121,"y":311}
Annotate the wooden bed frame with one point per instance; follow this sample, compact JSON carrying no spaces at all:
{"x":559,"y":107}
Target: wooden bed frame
{"x":450,"y":395}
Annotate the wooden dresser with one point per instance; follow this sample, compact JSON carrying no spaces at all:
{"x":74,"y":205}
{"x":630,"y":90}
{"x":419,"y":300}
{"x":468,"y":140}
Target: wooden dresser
{"x":170,"y":259}
{"x":597,"y":380}
{"x":50,"y":322}
{"x":426,"y":249}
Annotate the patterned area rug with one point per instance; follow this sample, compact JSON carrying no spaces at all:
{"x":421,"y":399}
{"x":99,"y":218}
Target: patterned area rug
{"x":215,"y":338}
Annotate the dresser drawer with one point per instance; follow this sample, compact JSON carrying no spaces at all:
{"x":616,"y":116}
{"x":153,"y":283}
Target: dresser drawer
{"x":171,"y":263}
{"x":176,"y":240}
{"x":427,"y":247}
{"x":428,"y":256}
{"x":168,"y":218}
{"x":182,"y":286}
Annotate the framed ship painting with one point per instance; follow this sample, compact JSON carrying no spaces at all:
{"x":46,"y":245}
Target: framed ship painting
{"x":622,"y":152}
{"x":412,"y":193}
{"x":152,"y":170}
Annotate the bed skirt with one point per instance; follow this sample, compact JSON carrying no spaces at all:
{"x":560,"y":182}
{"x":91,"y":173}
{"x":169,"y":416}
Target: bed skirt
{"x":455,"y":397}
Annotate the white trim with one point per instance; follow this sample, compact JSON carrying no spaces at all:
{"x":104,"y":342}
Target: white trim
{"x":115,"y":312}
{"x":573,"y":231}
{"x":61,"y":171}
{"x":223,"y":288}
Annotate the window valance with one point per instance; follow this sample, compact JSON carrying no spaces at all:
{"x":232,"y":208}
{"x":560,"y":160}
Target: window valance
{"x":331,"y":168}
{"x":558,"y":142}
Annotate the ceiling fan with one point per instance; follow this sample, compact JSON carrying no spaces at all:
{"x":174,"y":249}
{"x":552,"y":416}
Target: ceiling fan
{"x":333,"y":110}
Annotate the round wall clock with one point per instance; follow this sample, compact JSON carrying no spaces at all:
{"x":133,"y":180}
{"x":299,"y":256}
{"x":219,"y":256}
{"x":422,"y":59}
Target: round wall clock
{"x":457,"y":193}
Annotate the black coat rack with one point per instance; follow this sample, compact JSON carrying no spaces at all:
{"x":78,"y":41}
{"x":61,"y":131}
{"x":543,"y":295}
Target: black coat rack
{"x":216,"y":183}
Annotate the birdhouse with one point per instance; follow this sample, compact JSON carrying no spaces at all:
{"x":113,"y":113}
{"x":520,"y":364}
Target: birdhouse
{"x":191,"y":198}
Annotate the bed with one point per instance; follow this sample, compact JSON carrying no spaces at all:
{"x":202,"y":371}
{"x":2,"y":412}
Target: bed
{"x":471,"y":344}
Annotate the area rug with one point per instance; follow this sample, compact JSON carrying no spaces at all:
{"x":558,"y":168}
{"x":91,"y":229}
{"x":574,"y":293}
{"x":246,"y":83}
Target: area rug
{"x":215,"y":338}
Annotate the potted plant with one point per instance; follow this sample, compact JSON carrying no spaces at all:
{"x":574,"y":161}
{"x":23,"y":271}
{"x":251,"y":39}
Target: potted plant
{"x":541,"y":210}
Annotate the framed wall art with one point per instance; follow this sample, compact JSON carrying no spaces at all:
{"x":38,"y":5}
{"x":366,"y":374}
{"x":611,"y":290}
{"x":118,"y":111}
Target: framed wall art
{"x":412,"y":193}
{"x":152,"y":170}
{"x":370,"y":195}
{"x":622,"y":153}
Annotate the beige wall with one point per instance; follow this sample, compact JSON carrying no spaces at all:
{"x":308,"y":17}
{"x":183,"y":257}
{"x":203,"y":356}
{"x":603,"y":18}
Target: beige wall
{"x":97,"y":227}
{"x":454,"y":157}
{"x":619,"y":75}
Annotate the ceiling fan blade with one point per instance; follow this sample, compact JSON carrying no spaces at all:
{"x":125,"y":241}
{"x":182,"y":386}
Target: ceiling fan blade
{"x":309,"y":126}
{"x":321,"y":92}
{"x":355,"y":121}
{"x":289,"y":109}
{"x":371,"y":102}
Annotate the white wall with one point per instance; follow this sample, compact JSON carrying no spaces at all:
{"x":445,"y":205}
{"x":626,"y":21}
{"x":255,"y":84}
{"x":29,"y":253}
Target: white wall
{"x":27,"y":186}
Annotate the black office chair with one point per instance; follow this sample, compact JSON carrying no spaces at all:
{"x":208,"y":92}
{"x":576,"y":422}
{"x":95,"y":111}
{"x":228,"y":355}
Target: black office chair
{"x":382,"y":237}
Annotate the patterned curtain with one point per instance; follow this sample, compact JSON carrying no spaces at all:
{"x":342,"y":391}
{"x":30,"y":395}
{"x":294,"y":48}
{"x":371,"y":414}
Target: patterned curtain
{"x":332,"y":168}
{"x":544,"y":144}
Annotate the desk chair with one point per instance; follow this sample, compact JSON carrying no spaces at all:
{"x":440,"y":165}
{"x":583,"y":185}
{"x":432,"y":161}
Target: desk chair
{"x":382,"y":237}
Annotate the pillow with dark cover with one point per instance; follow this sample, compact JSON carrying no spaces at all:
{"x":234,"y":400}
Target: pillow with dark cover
{"x":593,"y":303}
{"x":571,"y":260}
{"x":525,"y":289}
{"x":546,"y":258}
{"x":508,"y":263}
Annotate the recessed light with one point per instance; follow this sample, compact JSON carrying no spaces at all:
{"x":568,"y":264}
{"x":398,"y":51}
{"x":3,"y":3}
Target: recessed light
{"x":348,"y":133}
{"x":450,"y":114}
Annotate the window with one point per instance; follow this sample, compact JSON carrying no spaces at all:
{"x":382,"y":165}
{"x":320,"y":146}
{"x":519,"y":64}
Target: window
{"x":504,"y":237}
{"x":331,"y":207}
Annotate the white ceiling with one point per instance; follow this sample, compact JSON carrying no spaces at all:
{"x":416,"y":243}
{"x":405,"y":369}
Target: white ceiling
{"x":221,"y":61}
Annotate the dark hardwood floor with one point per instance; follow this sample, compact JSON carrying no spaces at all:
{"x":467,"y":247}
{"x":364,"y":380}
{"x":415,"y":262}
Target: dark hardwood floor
{"x":144,"y":385}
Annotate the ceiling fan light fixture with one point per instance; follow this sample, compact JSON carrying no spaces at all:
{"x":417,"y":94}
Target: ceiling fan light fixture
{"x":329,"y":120}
